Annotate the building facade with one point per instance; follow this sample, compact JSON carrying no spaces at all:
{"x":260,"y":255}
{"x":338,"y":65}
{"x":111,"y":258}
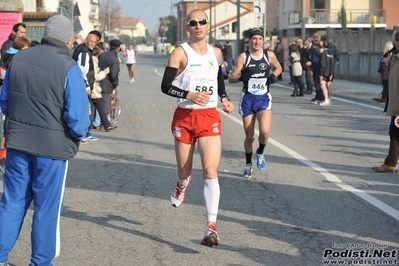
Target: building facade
{"x":132,"y":27}
{"x":284,"y":17}
{"x":321,"y":14}
{"x":36,"y":12}
{"x":223,"y":16}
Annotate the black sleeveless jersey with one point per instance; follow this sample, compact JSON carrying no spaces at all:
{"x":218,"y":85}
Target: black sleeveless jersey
{"x":258,"y":68}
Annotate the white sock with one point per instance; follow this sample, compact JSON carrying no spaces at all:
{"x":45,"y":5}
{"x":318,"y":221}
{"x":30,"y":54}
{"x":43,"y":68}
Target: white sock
{"x":211,"y":196}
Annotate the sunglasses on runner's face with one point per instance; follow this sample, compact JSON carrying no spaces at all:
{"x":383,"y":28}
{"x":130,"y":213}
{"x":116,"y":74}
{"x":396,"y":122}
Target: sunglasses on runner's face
{"x":193,"y":22}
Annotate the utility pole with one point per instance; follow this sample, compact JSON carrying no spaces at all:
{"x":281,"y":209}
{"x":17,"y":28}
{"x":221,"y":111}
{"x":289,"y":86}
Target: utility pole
{"x":303,"y":29}
{"x":109,"y":22}
{"x":265,"y":22}
{"x":210,"y":21}
{"x":214,"y":22}
{"x":238,"y":31}
{"x":72,"y":14}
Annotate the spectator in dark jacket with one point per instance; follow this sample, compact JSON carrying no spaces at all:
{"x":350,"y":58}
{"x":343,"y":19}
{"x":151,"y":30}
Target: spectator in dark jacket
{"x":110,"y":59}
{"x":18,"y":30}
{"x":228,"y":55}
{"x":314,"y":57}
{"x":334,"y":51}
{"x":327,"y":65}
{"x":307,"y":67}
{"x":83,"y":56}
{"x":279,"y":52}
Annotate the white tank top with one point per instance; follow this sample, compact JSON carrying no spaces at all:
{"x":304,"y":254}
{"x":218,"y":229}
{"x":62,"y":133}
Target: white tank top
{"x":200,"y":74}
{"x":130,"y":59}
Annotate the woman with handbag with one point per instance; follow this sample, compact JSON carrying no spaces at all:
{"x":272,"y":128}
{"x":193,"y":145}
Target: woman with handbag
{"x":295,"y":56}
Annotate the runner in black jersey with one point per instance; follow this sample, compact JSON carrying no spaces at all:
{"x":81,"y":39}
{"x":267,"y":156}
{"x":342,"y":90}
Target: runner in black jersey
{"x":253,"y":68}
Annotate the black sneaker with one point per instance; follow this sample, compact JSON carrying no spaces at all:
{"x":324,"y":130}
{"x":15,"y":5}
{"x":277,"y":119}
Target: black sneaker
{"x":111,"y":128}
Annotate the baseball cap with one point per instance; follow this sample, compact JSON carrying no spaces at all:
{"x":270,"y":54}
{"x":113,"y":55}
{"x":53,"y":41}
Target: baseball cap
{"x":115,"y":43}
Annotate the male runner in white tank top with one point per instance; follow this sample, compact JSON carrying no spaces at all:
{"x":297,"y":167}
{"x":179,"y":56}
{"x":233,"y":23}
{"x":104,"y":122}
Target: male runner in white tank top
{"x":194,"y":76}
{"x":130,"y":55}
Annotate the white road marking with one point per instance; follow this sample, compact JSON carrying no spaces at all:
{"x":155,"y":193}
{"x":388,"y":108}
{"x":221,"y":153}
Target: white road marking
{"x":156,"y":72}
{"x":339,"y":99}
{"x":329,"y":176}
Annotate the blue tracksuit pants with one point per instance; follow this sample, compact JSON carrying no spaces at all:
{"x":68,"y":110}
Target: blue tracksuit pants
{"x":30,"y":178}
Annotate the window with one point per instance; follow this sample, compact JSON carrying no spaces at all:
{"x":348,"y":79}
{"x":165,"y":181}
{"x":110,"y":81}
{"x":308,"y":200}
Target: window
{"x":319,"y":4}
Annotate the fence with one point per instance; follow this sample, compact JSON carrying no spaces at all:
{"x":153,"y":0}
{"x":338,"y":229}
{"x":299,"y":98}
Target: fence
{"x":360,"y":52}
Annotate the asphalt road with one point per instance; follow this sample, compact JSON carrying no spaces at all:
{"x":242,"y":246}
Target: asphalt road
{"x":317,"y":196}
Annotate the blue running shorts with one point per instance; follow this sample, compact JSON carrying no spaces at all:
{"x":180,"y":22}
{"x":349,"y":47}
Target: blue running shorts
{"x":251,"y":104}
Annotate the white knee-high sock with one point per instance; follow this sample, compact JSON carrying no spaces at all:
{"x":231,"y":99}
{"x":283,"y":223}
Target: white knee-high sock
{"x":211,"y":196}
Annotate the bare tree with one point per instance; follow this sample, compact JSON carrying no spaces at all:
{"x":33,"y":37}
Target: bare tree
{"x":110,"y":14}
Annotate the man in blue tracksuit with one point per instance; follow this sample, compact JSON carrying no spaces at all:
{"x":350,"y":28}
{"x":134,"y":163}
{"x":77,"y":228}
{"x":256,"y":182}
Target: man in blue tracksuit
{"x":44,"y":100}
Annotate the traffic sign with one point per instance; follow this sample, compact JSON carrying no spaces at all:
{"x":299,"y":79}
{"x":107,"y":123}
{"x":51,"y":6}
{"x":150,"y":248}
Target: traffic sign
{"x":259,"y":20}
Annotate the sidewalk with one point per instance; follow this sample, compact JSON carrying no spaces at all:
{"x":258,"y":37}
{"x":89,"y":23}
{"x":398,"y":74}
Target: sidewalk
{"x":351,"y":90}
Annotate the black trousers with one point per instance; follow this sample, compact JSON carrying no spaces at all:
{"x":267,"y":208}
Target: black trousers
{"x":309,"y":79}
{"x":319,"y":93}
{"x":393,"y":152}
{"x":106,"y":103}
{"x":384,"y":91}
{"x":98,"y":104}
{"x":280,"y":77}
{"x":291,"y":75}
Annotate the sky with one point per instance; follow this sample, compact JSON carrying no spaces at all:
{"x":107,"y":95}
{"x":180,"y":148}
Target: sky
{"x":148,"y":10}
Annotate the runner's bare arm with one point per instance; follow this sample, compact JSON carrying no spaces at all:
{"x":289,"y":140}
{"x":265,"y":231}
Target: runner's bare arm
{"x":275,"y":64}
{"x":234,"y":76}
